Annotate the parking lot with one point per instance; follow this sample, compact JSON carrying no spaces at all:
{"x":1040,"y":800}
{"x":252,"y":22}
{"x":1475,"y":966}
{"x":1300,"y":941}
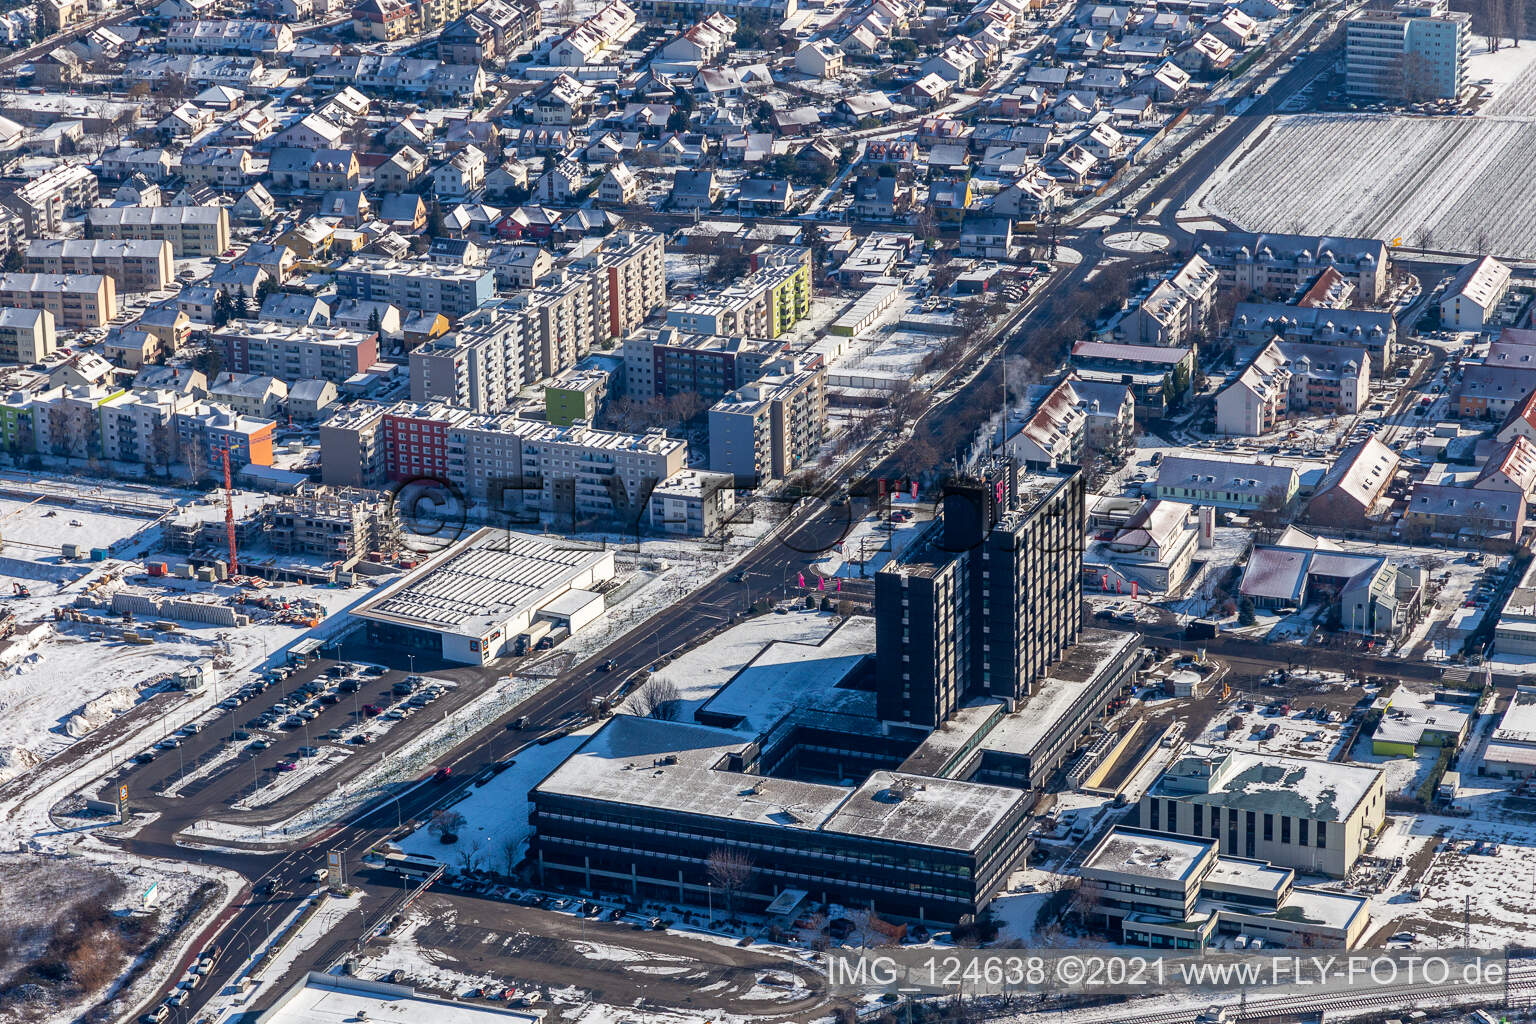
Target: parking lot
{"x":274,"y":733}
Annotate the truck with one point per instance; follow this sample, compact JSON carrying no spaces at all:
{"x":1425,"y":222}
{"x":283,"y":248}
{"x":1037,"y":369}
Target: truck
{"x":526,"y":640}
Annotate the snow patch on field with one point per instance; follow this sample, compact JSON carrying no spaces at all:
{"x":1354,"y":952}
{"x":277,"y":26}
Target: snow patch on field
{"x":1445,"y":183}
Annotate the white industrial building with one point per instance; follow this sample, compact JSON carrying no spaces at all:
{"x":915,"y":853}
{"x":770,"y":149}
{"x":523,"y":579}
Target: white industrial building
{"x":471,"y":603}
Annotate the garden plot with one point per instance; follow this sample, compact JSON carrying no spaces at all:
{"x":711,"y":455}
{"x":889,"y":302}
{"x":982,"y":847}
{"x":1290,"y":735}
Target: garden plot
{"x":1454,"y":183}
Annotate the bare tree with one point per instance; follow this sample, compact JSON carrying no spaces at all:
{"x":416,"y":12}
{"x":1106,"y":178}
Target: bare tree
{"x":445,"y":823}
{"x":659,"y":699}
{"x":729,"y":871}
{"x":469,"y":854}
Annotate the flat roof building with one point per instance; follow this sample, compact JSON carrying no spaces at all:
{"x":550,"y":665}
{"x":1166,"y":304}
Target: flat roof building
{"x":469,"y":604}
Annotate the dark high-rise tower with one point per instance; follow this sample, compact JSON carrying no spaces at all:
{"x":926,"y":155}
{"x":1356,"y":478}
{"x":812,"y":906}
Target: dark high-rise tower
{"x":987,"y":599}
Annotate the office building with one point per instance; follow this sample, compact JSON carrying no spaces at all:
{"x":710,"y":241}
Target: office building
{"x":1312,"y":816}
{"x":1175,"y":892}
{"x":987,"y":599}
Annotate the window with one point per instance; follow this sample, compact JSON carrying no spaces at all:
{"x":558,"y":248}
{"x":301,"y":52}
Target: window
{"x":1301,"y":826}
{"x":1322,"y":834}
{"x":1285,"y":829}
{"x":1199,"y":819}
{"x":1269,"y":828}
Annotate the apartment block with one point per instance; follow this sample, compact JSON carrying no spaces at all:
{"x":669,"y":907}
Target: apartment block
{"x":668,"y":362}
{"x":481,"y":366}
{"x":44,"y":202}
{"x":1286,"y":379}
{"x":435,"y":288}
{"x":630,"y":281}
{"x":560,"y":321}
{"x":76,"y":301}
{"x":206,"y":431}
{"x":26,"y":335}
{"x":292,"y":353}
{"x":352,"y":447}
{"x":1285,"y":264}
{"x":575,"y":395}
{"x":134,"y":265}
{"x":138,"y":426}
{"x":1176,"y":310}
{"x":193,"y":231}
{"x":764,"y":304}
{"x":771,"y":427}
{"x":1414,"y":51}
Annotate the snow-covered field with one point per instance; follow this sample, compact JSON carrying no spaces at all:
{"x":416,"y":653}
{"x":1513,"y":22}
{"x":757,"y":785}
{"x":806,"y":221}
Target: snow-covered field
{"x":1510,"y":74}
{"x":28,"y":532}
{"x":1449,"y":183}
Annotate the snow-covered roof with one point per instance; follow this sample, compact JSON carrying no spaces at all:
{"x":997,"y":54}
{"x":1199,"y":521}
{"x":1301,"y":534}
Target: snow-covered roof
{"x":1172,"y":858}
{"x":1295,"y":786}
{"x":682,"y":768}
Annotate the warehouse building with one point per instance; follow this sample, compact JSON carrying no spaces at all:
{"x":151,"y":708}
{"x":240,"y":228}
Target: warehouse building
{"x":470,"y":604}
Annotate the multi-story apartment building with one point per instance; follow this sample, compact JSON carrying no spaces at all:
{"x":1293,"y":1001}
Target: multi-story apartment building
{"x":138,"y":426}
{"x":771,"y":427}
{"x":415,"y":441}
{"x":293,"y":353}
{"x":206,"y":431}
{"x":764,"y":304}
{"x":586,"y":474}
{"x":481,"y":366}
{"x":1417,"y":50}
{"x":44,"y":202}
{"x":575,"y":395}
{"x":1287,"y":378}
{"x":436,"y":288}
{"x":629,"y":280}
{"x":193,"y":231}
{"x":1374,"y":330}
{"x":668,"y":362}
{"x":352,"y":447}
{"x":26,"y":335}
{"x":77,"y":301}
{"x":236,"y":36}
{"x":1176,"y":310}
{"x":134,"y":265}
{"x":560,"y":319}
{"x":249,"y":394}
{"x":1286,"y":264}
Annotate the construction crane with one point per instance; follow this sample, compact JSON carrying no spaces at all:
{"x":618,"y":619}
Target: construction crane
{"x":229,"y":516}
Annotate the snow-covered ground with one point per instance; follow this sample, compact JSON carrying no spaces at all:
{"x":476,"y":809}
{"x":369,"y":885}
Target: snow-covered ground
{"x":1451,"y":183}
{"x":496,"y":814}
{"x":1509,"y":75}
